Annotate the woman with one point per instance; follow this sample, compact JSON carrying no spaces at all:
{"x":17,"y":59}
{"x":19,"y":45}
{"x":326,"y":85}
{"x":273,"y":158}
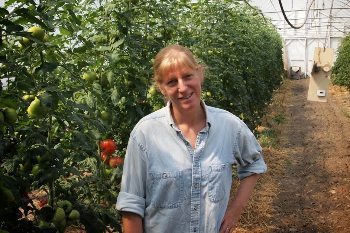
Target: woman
{"x":178,"y":169}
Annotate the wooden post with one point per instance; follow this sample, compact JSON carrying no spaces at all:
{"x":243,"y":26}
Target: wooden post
{"x":320,"y":75}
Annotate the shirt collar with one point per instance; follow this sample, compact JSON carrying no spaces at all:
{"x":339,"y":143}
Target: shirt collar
{"x":171,"y":119}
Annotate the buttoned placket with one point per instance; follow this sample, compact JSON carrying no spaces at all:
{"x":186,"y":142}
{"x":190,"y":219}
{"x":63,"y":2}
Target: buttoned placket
{"x":196,"y":179}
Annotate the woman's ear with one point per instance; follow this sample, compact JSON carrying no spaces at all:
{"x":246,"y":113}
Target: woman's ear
{"x":201,"y":75}
{"x":164,"y":94}
{"x":159,"y":87}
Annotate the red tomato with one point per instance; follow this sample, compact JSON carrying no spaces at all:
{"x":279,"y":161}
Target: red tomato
{"x":43,"y":202}
{"x":104,"y":157}
{"x":108,"y":146}
{"x":115,"y":161}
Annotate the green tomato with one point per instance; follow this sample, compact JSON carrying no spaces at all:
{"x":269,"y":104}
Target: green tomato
{"x":59,"y":219}
{"x":36,"y":170}
{"x":27,"y":166}
{"x":66,"y":205}
{"x":42,"y":159}
{"x":24,"y":42}
{"x":35,"y":109}
{"x":10,"y":115}
{"x":105,"y":116}
{"x":89,"y":76}
{"x":28,"y":97}
{"x":127,"y":82}
{"x":44,"y":225}
{"x":59,"y":216}
{"x":152,"y":91}
{"x":37,"y":32}
{"x":108,"y":171}
{"x":74,"y":215}
{"x":46,"y":38}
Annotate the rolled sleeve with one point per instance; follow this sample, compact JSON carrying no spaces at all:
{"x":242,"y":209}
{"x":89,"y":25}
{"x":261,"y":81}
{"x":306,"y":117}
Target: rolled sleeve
{"x":132,"y":193}
{"x":131,"y":203}
{"x":248,"y":154}
{"x":257,"y":167}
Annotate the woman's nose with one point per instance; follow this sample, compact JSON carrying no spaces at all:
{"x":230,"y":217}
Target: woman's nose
{"x":181,"y":85}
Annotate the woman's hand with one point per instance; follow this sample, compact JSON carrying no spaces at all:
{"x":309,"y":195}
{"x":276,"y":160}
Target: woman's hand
{"x":230,"y":221}
{"x":240,"y":200}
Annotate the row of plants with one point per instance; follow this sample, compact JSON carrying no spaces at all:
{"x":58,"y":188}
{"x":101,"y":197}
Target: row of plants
{"x":78,"y":77}
{"x":341,"y":68}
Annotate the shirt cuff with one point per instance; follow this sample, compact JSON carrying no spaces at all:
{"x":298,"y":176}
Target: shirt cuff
{"x":257,"y":167}
{"x":131,"y":203}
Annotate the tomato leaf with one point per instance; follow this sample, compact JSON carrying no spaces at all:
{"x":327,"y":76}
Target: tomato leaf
{"x":3,"y":12}
{"x":74,"y":17}
{"x":46,"y":67}
{"x":26,"y":14}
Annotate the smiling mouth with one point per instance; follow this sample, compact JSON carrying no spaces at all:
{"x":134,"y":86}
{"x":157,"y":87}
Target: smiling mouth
{"x":186,"y":97}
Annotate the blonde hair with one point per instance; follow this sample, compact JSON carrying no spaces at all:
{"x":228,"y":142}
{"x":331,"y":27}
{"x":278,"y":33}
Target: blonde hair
{"x":173,"y":57}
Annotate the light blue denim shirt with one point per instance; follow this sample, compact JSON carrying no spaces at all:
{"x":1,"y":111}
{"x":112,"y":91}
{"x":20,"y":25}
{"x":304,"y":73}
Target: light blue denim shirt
{"x":178,"y":189}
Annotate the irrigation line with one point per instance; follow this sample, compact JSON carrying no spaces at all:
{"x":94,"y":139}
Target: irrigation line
{"x":285,"y":16}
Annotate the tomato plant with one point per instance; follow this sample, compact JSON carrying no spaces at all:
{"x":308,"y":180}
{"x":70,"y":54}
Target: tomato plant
{"x":80,"y":72}
{"x":340,"y":71}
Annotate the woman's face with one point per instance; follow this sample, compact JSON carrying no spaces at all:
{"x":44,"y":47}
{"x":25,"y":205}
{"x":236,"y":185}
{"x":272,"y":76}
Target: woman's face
{"x":182,"y":86}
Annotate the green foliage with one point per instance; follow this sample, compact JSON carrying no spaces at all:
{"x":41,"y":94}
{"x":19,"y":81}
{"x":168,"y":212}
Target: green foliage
{"x":242,"y":53}
{"x":341,"y":68}
{"x":267,"y":138}
{"x":53,"y":145}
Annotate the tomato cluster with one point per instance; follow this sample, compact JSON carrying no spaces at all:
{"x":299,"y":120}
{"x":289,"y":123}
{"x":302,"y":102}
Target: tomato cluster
{"x":58,"y":218}
{"x":108,"y":148}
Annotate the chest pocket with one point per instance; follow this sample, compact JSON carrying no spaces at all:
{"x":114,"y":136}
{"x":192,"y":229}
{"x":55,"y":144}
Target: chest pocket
{"x":218,"y":182}
{"x":166,"y":189}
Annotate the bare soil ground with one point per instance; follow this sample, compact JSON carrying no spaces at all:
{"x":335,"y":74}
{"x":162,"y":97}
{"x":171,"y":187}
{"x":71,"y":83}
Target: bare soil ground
{"x":307,"y":186}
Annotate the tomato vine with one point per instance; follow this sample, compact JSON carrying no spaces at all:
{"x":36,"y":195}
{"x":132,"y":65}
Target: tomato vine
{"x":85,"y":76}
{"x":341,"y":68}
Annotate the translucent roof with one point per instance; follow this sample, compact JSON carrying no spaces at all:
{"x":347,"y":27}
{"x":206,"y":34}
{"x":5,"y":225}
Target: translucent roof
{"x":316,"y":18}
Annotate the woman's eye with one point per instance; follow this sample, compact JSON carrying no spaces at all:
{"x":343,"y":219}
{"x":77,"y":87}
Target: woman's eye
{"x":171,"y":83}
{"x":188,"y":76}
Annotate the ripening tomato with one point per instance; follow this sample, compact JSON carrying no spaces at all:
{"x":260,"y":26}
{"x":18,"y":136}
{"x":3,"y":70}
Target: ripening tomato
{"x":104,"y":157}
{"x":43,"y":202}
{"x":108,"y":146}
{"x":115,"y":161}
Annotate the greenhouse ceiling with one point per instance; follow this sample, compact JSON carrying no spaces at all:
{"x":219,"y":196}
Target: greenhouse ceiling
{"x":311,"y":18}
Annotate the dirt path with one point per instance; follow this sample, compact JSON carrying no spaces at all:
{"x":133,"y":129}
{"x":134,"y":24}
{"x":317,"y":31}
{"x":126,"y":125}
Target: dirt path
{"x":307,"y":187}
